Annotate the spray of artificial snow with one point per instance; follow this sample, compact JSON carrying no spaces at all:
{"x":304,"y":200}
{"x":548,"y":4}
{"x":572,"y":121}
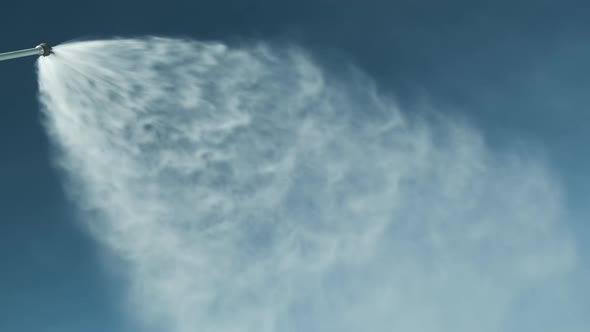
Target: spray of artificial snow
{"x":247,"y":190}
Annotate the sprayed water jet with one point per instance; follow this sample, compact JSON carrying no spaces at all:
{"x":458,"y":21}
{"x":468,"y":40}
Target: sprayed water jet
{"x":246,"y":189}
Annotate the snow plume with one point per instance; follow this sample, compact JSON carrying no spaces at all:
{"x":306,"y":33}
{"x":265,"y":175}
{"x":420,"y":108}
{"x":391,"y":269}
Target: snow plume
{"x":247,"y":190}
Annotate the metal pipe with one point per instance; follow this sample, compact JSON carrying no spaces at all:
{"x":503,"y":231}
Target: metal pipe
{"x":41,"y":50}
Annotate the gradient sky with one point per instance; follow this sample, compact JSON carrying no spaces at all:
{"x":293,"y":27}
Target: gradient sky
{"x":517,"y":70}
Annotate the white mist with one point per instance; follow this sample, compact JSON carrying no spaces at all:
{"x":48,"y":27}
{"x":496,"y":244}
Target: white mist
{"x":247,"y":190}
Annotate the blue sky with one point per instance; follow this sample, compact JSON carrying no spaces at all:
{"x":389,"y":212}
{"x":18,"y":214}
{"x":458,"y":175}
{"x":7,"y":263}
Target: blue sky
{"x":517,"y":70}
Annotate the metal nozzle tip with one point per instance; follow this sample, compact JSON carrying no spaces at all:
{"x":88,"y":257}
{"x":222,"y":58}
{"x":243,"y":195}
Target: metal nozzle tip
{"x":45,"y":50}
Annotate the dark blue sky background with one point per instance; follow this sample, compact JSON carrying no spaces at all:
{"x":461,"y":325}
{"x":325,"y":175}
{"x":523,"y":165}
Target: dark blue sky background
{"x":518,"y":70}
